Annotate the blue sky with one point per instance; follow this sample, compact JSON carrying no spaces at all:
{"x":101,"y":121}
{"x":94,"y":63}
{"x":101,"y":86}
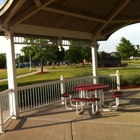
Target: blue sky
{"x":1,"y":2}
{"x":131,"y":33}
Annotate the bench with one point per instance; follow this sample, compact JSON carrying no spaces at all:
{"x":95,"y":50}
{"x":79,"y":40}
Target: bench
{"x":83,"y":100}
{"x":65,"y":96}
{"x":117,"y":95}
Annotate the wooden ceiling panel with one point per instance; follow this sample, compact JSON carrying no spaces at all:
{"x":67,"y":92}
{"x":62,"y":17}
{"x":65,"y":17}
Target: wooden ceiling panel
{"x":60,"y":21}
{"x":92,"y":17}
{"x":131,"y":10}
{"x":26,"y":5}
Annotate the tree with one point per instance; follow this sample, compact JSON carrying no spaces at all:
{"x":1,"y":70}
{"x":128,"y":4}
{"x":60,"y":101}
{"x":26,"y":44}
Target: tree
{"x":60,"y":55}
{"x":78,"y":54}
{"x":86,"y":53}
{"x":74,"y":54}
{"x":40,"y":50}
{"x":126,"y":49}
{"x":2,"y":60}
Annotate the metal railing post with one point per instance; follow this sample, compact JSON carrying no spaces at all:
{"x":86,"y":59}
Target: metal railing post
{"x":62,"y":86}
{"x":1,"y":116}
{"x":118,"y":79}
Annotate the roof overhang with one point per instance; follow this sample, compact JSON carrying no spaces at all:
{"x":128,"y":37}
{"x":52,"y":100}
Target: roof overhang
{"x":82,"y":19}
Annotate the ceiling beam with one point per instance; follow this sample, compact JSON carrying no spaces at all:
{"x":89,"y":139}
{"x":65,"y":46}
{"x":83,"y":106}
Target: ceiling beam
{"x":46,"y":31}
{"x":125,"y":19}
{"x":73,"y":13}
{"x":116,"y":10}
{"x":11,"y":11}
{"x":27,"y":13}
{"x":111,"y":30}
{"x":6,"y":4}
{"x":38,"y":3}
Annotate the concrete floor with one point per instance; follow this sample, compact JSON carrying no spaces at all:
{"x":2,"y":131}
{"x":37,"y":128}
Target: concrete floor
{"x":54,"y":122}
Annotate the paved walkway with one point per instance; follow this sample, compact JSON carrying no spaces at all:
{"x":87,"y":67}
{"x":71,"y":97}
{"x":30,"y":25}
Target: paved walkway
{"x":54,"y":122}
{"x":24,"y":75}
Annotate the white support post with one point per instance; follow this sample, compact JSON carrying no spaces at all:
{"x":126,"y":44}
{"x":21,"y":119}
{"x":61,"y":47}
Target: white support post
{"x":11,"y":72}
{"x":118,"y":79}
{"x":94,"y":62}
{"x":62,"y":87}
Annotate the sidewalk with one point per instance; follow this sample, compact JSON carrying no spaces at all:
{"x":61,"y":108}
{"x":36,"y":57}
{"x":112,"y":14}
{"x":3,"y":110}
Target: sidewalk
{"x":24,"y":75}
{"x":54,"y":122}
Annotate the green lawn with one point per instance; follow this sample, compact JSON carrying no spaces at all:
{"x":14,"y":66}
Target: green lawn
{"x":67,"y":72}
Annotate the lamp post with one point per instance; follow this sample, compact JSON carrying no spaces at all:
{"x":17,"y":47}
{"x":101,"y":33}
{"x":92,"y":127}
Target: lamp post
{"x":30,"y":62}
{"x":17,"y":56}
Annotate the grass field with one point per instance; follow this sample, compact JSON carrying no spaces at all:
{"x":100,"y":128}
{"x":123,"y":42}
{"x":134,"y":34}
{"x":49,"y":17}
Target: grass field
{"x":68,"y":72}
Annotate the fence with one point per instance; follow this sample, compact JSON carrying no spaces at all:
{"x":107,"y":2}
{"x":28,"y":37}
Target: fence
{"x":34,"y":96}
{"x":5,"y":107}
{"x":38,"y":95}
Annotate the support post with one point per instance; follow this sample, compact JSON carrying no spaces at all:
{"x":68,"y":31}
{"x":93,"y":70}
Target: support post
{"x":94,"y":62}
{"x":11,"y":72}
{"x":63,"y":90}
{"x":118,"y":79}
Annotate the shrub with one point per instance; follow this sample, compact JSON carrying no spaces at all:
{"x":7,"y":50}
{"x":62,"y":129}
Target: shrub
{"x":131,"y":79}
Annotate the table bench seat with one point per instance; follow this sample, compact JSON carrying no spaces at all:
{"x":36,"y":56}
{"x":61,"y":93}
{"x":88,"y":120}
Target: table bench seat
{"x":79,"y":108}
{"x":67,"y":94}
{"x":117,"y":94}
{"x":84,"y":99}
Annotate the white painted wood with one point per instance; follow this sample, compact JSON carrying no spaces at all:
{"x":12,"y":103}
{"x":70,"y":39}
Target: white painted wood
{"x":95,"y":62}
{"x":46,"y":31}
{"x":11,"y":72}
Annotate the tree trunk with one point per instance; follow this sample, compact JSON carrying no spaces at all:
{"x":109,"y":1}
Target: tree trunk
{"x":41,"y":65}
{"x":53,"y":65}
{"x":83,"y":64}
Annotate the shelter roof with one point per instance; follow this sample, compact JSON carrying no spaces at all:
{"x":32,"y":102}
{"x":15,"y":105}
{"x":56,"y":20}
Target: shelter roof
{"x":80,"y":19}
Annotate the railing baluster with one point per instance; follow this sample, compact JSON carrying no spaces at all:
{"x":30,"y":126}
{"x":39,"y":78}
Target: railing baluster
{"x":36,"y":96}
{"x":19,"y":100}
{"x":1,"y":116}
{"x":28,"y":104}
{"x":31,"y":98}
{"x":40,"y":95}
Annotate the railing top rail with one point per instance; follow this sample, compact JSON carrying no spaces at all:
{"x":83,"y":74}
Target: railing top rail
{"x":5,"y":92}
{"x":86,"y":77}
{"x":38,"y":85}
{"x":107,"y":75}
{"x":73,"y":79}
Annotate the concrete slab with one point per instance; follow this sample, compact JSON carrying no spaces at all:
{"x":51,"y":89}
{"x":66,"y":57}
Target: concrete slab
{"x":54,"y":122}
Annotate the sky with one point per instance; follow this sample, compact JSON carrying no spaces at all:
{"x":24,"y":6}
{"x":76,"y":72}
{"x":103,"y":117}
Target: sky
{"x":1,"y":2}
{"x":131,"y":33}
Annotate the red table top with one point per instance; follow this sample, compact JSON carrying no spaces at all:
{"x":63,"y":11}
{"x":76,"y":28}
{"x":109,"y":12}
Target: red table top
{"x":91,"y":87}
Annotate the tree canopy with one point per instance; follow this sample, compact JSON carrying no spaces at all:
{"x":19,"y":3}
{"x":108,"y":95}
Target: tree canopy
{"x":2,"y":60}
{"x":40,"y":51}
{"x":126,"y":49}
{"x":78,"y":54}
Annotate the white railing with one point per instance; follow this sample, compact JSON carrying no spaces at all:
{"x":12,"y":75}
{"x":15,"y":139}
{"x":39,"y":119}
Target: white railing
{"x":37,"y":95}
{"x":5,"y":107}
{"x":34,"y":96}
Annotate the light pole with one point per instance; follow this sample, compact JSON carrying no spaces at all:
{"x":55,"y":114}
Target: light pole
{"x":30,"y":62}
{"x":17,"y":56}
